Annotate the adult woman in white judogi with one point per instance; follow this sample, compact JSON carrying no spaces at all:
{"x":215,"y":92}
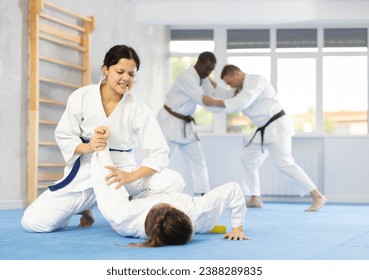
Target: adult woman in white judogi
{"x":258,"y":101}
{"x":130,"y":122}
{"x":127,"y":217}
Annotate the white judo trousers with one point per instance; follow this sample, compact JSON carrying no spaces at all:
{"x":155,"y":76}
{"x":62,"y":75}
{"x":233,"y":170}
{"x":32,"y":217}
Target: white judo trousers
{"x":127,"y":217}
{"x":252,"y":157}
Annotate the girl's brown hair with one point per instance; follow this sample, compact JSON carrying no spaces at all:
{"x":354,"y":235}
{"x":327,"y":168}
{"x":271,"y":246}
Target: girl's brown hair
{"x":166,"y":225}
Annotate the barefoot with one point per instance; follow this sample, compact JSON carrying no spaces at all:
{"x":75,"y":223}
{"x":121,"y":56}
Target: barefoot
{"x":87,"y":218}
{"x":317,"y":204}
{"x":255,"y":202}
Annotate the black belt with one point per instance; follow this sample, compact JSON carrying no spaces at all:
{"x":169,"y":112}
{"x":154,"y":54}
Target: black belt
{"x":75,"y":169}
{"x":262,"y":129}
{"x":186,"y":119}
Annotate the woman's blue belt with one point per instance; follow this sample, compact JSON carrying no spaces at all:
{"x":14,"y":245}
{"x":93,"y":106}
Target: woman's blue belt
{"x":75,"y":169}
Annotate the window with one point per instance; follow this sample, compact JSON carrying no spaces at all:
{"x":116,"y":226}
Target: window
{"x":191,"y":41}
{"x":297,"y":91}
{"x":354,"y":39}
{"x":296,"y":40}
{"x":296,"y":76}
{"x":240,"y":40}
{"x":345,"y":81}
{"x":252,"y":64}
{"x":345,"y":94}
{"x":320,"y":74}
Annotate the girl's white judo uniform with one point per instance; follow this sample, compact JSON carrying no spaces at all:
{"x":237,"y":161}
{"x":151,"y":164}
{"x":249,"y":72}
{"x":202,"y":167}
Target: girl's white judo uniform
{"x":183,"y":97}
{"x":128,"y":217}
{"x":259,"y":102}
{"x":130,"y":124}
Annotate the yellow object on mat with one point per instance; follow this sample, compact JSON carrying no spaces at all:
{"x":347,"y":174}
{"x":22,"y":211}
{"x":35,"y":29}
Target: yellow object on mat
{"x":219,"y":229}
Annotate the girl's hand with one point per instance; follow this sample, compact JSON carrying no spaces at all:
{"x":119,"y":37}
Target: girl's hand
{"x":236,"y":234}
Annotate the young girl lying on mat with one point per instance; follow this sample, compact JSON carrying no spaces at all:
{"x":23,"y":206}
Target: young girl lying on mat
{"x":164,"y":219}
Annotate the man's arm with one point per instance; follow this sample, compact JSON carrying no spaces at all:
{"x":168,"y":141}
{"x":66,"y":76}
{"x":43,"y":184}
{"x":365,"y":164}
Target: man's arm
{"x":210,"y":101}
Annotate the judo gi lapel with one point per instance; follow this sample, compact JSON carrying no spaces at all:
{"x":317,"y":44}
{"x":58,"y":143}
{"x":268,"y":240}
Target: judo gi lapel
{"x":116,"y":115}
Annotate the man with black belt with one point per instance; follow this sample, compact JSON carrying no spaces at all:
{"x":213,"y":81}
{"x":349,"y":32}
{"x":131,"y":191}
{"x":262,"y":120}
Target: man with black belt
{"x":176,"y":120}
{"x":258,"y":100}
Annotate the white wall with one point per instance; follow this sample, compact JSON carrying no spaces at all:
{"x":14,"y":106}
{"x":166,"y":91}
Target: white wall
{"x":346,"y":168}
{"x":13,"y":101}
{"x":342,"y":174}
{"x":222,"y":155}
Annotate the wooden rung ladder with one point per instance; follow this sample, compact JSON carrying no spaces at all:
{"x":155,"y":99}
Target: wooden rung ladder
{"x":63,"y":28}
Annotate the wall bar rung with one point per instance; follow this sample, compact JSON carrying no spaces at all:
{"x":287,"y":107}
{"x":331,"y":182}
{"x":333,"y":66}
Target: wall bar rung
{"x":52,"y":81}
{"x":52,"y":102}
{"x":66,"y":11}
{"x":62,"y":42}
{"x":62,"y":22}
{"x":62,"y":62}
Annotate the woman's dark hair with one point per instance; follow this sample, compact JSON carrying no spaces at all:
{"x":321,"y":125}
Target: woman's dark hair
{"x":113,"y":56}
{"x":166,"y":225}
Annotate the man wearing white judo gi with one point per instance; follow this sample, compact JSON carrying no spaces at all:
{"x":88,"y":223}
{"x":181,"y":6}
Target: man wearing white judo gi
{"x":176,"y":120}
{"x":93,"y":114}
{"x":257,"y":99}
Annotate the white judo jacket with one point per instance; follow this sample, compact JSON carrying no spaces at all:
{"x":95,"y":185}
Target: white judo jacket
{"x":130,"y":124}
{"x":258,"y":101}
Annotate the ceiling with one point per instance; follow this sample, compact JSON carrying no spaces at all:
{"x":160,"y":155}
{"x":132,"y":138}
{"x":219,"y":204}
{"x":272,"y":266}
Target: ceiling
{"x":253,"y":12}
